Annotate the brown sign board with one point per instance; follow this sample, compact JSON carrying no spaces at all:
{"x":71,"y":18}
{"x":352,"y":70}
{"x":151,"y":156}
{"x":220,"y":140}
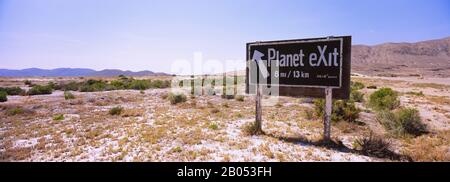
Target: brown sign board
{"x":302,"y":67}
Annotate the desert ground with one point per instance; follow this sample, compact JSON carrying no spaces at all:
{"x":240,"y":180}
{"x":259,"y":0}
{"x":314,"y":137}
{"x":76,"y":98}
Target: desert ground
{"x":209,"y":127}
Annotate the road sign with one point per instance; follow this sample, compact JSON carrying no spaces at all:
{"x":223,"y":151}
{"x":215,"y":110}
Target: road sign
{"x":303,"y":67}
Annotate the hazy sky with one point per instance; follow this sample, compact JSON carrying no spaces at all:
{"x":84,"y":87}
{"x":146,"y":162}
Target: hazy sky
{"x":151,"y":34}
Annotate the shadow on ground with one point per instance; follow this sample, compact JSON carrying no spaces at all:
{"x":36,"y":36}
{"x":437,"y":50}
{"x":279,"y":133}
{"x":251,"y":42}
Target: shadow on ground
{"x":337,"y":145}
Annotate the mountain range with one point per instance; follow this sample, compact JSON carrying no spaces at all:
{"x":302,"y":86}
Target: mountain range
{"x":73,"y":72}
{"x":425,"y":58}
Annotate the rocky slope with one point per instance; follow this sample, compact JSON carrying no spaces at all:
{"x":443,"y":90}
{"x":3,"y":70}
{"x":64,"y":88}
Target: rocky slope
{"x":426,"y":58}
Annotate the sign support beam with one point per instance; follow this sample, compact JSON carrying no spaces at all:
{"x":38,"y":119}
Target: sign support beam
{"x":258,"y":117}
{"x":328,"y":110}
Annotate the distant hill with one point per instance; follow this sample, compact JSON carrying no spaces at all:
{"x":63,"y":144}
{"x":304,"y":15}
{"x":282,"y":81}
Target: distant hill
{"x":73,"y":72}
{"x":429,"y":58}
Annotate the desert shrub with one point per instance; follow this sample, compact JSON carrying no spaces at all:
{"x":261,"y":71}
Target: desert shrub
{"x":58,"y":117}
{"x":384,"y":98}
{"x":139,"y":85}
{"x":40,"y":90}
{"x":53,"y":85}
{"x":27,"y":82}
{"x":72,"y":86}
{"x":346,"y":111}
{"x":240,"y":98}
{"x":341,"y":110}
{"x":402,"y":122}
{"x":411,"y":121}
{"x":93,"y":86}
{"x":68,"y":95}
{"x":157,"y":84}
{"x":356,"y":85}
{"x":160,"y":84}
{"x":213,"y":126}
{"x":12,"y":90}
{"x":118,"y":84}
{"x":116,"y":110}
{"x":356,"y":96}
{"x":3,"y":96}
{"x":176,"y":98}
{"x":373,"y":146}
{"x":14,"y":111}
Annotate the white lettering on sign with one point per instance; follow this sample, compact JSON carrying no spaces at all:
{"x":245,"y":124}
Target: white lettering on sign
{"x":318,"y":58}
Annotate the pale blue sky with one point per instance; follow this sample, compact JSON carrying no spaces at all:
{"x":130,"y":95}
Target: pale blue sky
{"x":151,"y":34}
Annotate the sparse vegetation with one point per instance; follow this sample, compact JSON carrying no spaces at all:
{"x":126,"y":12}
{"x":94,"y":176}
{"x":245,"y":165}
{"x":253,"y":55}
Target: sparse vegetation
{"x":431,"y":85}
{"x":71,"y":86}
{"x":429,"y":148}
{"x":14,"y":111}
{"x":213,"y":126}
{"x":40,"y":90}
{"x":240,"y":98}
{"x":419,"y":94}
{"x":117,"y":110}
{"x":94,"y":86}
{"x":12,"y":90}
{"x":206,"y":124}
{"x":3,"y":96}
{"x":176,"y":98}
{"x":27,"y":82}
{"x":356,"y":96}
{"x":139,"y":85}
{"x":177,"y":149}
{"x":215,"y":110}
{"x":68,"y":95}
{"x":122,"y":83}
{"x":342,"y":110}
{"x":58,"y":117}
{"x":384,"y":99}
{"x":356,"y":85}
{"x":250,"y":129}
{"x":226,"y":105}
{"x":224,"y":96}
{"x":402,"y":122}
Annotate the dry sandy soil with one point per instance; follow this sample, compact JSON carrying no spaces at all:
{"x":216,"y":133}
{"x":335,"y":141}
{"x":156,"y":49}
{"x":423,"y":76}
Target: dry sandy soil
{"x":207,"y":128}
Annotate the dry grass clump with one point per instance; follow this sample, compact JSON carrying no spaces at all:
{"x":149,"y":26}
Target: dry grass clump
{"x":176,"y":98}
{"x":135,"y":112}
{"x":239,"y":98}
{"x":117,"y":110}
{"x":431,"y":85}
{"x":251,"y":129}
{"x":429,"y":148}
